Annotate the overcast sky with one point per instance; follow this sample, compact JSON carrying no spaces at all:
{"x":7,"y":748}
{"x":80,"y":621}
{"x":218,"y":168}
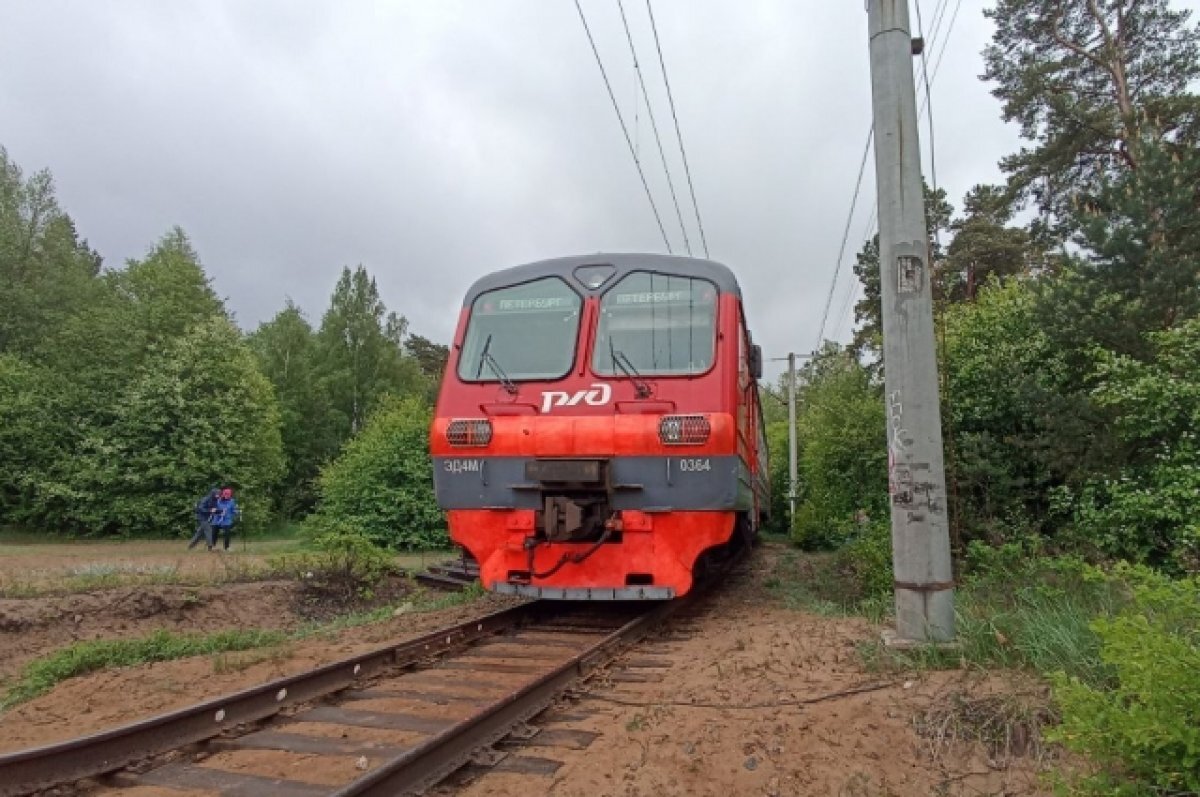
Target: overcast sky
{"x":435,"y":141}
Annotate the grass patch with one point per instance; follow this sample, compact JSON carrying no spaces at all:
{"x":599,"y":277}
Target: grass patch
{"x":41,"y":675}
{"x":1020,"y":611}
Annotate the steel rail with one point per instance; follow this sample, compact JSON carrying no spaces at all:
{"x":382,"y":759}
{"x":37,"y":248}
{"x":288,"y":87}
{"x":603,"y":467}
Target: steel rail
{"x":425,"y":765}
{"x":36,"y":768}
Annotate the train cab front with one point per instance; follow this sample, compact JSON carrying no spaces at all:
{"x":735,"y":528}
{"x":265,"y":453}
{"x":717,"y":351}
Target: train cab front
{"x":585,"y":442}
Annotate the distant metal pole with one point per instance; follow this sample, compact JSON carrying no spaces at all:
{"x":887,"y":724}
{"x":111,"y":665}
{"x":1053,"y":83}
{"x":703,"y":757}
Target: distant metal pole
{"x":916,"y":480}
{"x":792,"y":473}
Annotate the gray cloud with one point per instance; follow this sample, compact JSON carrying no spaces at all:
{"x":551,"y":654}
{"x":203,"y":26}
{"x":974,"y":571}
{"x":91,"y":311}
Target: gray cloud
{"x":435,"y":141}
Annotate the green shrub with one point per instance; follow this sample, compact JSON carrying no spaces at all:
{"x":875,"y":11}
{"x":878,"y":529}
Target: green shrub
{"x":842,"y":461}
{"x":344,"y":567}
{"x":381,"y":486}
{"x":866,"y":561}
{"x":1143,"y":729}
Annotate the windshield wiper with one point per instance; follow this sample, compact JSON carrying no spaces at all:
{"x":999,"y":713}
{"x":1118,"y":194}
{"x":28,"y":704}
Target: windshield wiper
{"x":486,"y":357}
{"x":620,"y":360}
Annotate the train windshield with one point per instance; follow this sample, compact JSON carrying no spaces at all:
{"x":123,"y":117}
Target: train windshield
{"x":524,"y":332}
{"x":656,"y":324}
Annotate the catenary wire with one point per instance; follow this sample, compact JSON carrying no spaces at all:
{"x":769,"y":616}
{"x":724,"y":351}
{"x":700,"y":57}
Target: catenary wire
{"x":929,"y":115}
{"x":845,"y":237}
{"x":675,"y":117}
{"x":632,"y":152}
{"x":637,"y":67}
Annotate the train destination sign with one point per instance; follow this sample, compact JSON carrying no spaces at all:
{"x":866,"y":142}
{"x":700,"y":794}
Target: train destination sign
{"x":540,"y":303}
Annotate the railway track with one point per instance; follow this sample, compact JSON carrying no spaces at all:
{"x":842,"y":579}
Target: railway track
{"x":396,"y":720}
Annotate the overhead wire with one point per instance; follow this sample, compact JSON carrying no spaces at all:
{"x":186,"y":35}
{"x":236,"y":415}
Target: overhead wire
{"x":929,"y":115}
{"x":687,"y":244}
{"x":625,"y":130}
{"x":845,"y":237}
{"x":675,"y":117}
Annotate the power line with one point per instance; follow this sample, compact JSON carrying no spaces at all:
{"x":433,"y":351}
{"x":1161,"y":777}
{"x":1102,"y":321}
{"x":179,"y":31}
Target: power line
{"x":845,"y":236}
{"x":624,"y":129}
{"x":671,"y":99}
{"x":637,"y":67}
{"x":946,"y":39}
{"x":928,"y":116}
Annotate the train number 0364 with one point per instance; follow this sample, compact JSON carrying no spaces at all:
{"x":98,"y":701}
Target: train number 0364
{"x":695,"y":465}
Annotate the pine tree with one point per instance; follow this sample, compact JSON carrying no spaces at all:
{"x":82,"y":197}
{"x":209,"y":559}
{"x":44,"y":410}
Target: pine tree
{"x":1088,"y":82}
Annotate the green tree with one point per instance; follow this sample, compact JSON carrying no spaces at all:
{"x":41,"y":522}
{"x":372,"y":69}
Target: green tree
{"x":286,"y":349}
{"x":34,"y":435}
{"x":45,"y":270}
{"x":1138,"y":265}
{"x":1004,"y":412}
{"x":381,"y":486}
{"x":197,"y":413}
{"x":132,"y":313}
{"x":430,"y":356}
{"x":1087,"y":83}
{"x":360,"y":353}
{"x":984,"y":245}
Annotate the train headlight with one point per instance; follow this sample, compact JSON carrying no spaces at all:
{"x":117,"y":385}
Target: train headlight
{"x":467,"y":432}
{"x":684,"y":430}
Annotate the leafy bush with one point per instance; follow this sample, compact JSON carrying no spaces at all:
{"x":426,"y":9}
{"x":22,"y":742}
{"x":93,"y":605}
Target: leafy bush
{"x":382,"y":485}
{"x":1143,"y":728}
{"x":867,"y":560}
{"x":1149,"y":510}
{"x":344,"y":567}
{"x":843,"y":462}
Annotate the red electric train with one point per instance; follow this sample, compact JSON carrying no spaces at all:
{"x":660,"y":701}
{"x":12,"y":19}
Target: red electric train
{"x":598,"y":434}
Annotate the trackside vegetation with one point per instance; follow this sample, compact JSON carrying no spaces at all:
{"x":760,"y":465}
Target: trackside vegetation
{"x":1067,"y":305}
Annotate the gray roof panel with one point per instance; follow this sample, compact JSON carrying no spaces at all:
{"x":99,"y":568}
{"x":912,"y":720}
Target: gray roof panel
{"x":675,"y":265}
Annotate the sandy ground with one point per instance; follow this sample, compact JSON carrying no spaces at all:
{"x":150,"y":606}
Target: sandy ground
{"x":743,"y":696}
{"x":727,"y":711}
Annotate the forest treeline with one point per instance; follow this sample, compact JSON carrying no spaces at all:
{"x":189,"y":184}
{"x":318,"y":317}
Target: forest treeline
{"x":128,"y":391}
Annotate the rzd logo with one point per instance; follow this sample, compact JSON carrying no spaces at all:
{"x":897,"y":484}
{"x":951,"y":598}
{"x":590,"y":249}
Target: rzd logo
{"x":597,"y":395}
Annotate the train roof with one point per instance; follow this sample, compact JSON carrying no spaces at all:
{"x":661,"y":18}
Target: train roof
{"x":676,"y":265}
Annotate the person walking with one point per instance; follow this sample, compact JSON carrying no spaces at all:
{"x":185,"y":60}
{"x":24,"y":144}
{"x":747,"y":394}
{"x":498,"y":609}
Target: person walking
{"x":225,"y":514}
{"x":205,"y":508}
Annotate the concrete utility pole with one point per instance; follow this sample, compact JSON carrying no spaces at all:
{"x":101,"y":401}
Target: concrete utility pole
{"x":916,"y":480}
{"x":792,"y":475}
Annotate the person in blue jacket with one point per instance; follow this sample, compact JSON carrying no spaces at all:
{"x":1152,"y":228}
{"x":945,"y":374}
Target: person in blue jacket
{"x":225,"y":514}
{"x":205,"y":508}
